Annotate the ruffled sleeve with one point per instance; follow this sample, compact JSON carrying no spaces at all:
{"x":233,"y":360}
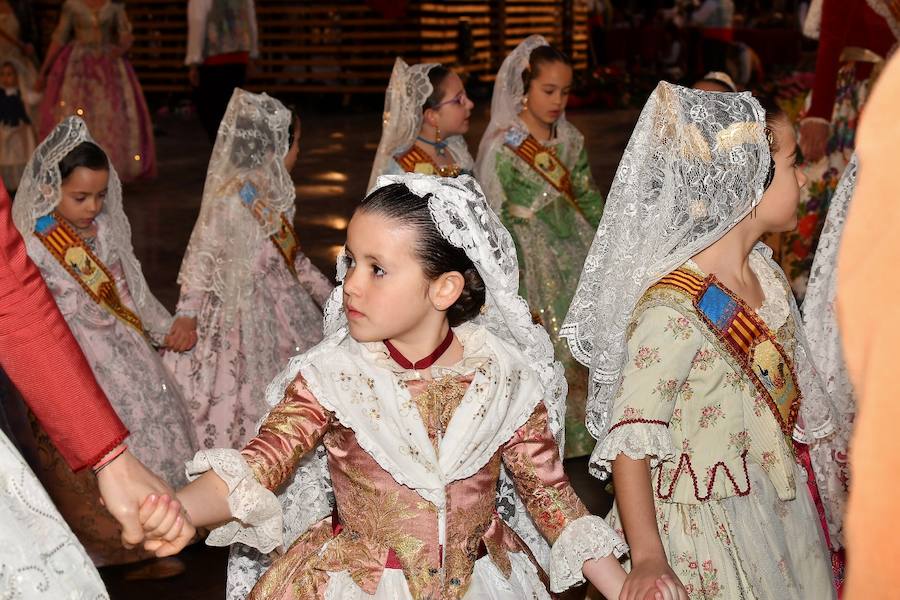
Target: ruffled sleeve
{"x":291,"y":430}
{"x":532,"y":457}
{"x":661,"y":347}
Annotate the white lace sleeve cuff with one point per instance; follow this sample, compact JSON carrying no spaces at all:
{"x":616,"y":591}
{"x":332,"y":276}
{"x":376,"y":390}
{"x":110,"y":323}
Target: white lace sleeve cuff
{"x":257,"y":517}
{"x":583,"y":539}
{"x":635,"y":440}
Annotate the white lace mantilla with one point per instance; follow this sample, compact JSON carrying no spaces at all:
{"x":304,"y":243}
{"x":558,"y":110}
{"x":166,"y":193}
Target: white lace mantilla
{"x":583,"y":539}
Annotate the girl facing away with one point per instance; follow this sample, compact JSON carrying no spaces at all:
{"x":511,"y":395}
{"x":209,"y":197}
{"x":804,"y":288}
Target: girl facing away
{"x":431,"y":387}
{"x":426,"y":114}
{"x":69,"y":211}
{"x":536,"y":175}
{"x":254,"y":296}
{"x":703,"y":389}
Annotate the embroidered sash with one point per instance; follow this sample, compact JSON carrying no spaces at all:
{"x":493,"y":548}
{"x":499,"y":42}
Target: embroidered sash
{"x":747,"y":338}
{"x":416,"y":160}
{"x":546,"y":164}
{"x":285,"y":239}
{"x":82,"y":264}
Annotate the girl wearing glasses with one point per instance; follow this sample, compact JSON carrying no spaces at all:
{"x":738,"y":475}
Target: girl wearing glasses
{"x":534,"y":170}
{"x":426,"y":113}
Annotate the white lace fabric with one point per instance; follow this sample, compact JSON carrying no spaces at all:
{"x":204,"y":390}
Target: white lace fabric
{"x":695,"y":165}
{"x":406,"y":93}
{"x":256,"y":512}
{"x":583,"y":539}
{"x":636,"y":441}
{"x":247,"y":163}
{"x":462,"y":216}
{"x":507,"y":103}
{"x":40,"y":192}
{"x":822,"y":329}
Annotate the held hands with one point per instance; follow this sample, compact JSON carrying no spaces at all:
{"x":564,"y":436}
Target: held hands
{"x":167,"y":527}
{"x":183,"y":334}
{"x":124,"y":483}
{"x":652,"y":579}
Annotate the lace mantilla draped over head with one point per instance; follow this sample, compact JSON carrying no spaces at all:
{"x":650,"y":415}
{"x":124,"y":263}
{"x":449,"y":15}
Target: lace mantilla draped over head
{"x":40,"y":192}
{"x":247,"y":166}
{"x":507,"y":103}
{"x":403,"y":116}
{"x":696,"y":164}
{"x":463,"y":218}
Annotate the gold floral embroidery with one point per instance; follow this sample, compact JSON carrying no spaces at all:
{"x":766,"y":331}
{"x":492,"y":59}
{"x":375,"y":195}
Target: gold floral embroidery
{"x":465,"y":530}
{"x":552,"y":508}
{"x":437,"y":403}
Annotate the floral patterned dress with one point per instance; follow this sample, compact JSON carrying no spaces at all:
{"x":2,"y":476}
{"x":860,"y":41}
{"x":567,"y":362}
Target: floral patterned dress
{"x":553,"y":236}
{"x":734,"y":512}
{"x":224,"y":376}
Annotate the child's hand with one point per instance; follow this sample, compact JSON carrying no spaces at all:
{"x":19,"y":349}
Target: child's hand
{"x":668,"y":589}
{"x":643,"y":582}
{"x":167,"y":527}
{"x":183,"y":334}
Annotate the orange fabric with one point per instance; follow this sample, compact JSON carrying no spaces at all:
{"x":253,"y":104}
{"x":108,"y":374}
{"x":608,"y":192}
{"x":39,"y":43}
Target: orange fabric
{"x":44,"y":361}
{"x":869,"y":315}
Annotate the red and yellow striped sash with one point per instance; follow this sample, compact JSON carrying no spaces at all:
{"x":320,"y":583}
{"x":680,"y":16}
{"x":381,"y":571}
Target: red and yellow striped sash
{"x":82,"y":264}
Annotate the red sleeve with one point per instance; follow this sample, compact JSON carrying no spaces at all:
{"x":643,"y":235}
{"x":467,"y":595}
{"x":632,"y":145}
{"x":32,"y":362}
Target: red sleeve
{"x":44,"y":361}
{"x":836,"y":17}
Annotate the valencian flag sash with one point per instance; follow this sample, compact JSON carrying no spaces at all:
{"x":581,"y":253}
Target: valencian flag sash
{"x":76,"y":257}
{"x":544,"y":162}
{"x":747,"y":338}
{"x":285,"y":239}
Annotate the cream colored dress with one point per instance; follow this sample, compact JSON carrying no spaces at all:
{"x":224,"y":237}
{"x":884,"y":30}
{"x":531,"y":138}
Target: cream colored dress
{"x":734,"y":512}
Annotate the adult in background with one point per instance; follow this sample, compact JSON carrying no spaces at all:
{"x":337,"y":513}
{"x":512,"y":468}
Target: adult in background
{"x":855,"y":37}
{"x":222,"y":39}
{"x":715,"y":18}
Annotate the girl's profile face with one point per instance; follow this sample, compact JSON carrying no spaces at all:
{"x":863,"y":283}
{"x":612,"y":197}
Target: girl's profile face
{"x":452,"y":114}
{"x":385,"y":289}
{"x":777,"y":210}
{"x":549,"y":92}
{"x":83,"y":194}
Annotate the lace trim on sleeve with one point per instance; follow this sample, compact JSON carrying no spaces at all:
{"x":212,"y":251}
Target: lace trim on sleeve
{"x":256,"y":511}
{"x":636,"y":440}
{"x":583,"y":539}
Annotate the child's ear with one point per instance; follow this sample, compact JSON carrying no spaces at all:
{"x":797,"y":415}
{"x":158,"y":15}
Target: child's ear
{"x":445,"y":290}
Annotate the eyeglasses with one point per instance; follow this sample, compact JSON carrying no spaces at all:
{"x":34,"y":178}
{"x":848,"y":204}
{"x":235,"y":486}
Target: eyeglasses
{"x":459,"y":99}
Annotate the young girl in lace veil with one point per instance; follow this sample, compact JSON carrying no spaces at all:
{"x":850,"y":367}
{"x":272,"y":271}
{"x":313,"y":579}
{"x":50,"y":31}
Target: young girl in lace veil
{"x":432,"y":384}
{"x":254,"y":295}
{"x":535,"y":172}
{"x":426,"y":113}
{"x":69,"y":211}
{"x":700,"y":372}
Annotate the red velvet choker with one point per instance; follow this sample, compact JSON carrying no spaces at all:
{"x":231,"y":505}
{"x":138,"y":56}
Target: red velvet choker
{"x":425,"y":362}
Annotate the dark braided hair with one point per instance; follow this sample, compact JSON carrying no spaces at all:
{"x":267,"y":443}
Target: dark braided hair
{"x":542,"y":55}
{"x":436,"y":76}
{"x":436,"y":255}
